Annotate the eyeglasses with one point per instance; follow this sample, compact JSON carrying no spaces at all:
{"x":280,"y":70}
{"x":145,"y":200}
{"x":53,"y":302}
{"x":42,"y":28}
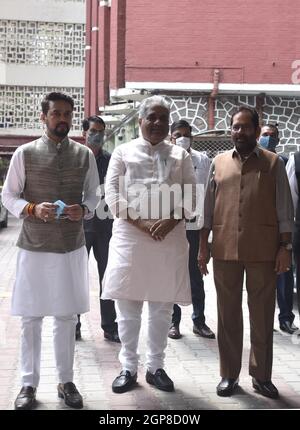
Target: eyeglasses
{"x":239,"y":127}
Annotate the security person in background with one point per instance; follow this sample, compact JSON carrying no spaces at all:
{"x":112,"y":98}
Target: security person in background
{"x":269,"y":139}
{"x":98,"y":229}
{"x":293,"y":172}
{"x":181,"y":135}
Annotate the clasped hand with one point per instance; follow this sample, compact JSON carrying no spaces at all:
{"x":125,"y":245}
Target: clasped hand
{"x":157,"y":229}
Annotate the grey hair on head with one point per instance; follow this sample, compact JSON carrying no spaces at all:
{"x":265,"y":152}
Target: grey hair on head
{"x":148,"y":103}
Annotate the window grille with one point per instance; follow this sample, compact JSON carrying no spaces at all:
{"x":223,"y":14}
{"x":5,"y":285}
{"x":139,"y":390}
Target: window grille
{"x":20,"y":106}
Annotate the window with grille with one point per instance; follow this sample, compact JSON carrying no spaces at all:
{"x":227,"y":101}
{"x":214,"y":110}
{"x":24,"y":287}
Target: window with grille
{"x":20,"y":106}
{"x":42,"y":43}
{"x":213,"y":143}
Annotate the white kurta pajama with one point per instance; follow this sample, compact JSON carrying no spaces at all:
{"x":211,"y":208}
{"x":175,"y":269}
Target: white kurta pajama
{"x":47,"y":283}
{"x":139,"y":268}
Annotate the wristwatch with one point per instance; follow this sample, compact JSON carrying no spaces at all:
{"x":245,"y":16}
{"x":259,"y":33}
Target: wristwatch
{"x":286,"y":245}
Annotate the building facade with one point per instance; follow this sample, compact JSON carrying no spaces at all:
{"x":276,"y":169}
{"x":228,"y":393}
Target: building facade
{"x":42,"y":47}
{"x":207,"y":57}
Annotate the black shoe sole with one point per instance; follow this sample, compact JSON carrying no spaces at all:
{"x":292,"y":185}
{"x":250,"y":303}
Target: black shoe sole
{"x":174,"y":337}
{"x":263,"y":393}
{"x":150,"y":381}
{"x":227,"y":393}
{"x":28,"y":407}
{"x":211,"y":336}
{"x":78,"y":405}
{"x":124,"y":389}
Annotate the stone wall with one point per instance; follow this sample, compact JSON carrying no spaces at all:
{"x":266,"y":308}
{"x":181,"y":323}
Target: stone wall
{"x":282,"y":110}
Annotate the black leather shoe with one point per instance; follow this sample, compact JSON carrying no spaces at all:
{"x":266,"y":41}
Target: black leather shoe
{"x":174,"y":332}
{"x":112,"y":336}
{"x":227,"y":386}
{"x":266,"y":388}
{"x":78,"y":331}
{"x":203,"y":331}
{"x":25,"y":399}
{"x":160,"y":380}
{"x":70,"y":394}
{"x":124,"y":382}
{"x":288,"y":327}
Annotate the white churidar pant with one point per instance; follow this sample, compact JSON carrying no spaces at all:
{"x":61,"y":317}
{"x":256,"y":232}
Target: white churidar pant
{"x":64,"y":346}
{"x":129,"y":314}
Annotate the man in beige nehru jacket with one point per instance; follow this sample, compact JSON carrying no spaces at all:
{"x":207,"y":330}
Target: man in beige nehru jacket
{"x":248,"y":207}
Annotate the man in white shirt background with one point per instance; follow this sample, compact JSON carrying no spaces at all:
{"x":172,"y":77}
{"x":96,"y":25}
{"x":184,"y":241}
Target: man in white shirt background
{"x":181,"y":135}
{"x":293,"y":173}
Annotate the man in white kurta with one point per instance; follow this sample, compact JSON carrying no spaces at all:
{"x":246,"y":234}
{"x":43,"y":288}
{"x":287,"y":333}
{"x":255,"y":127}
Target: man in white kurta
{"x":148,"y":253}
{"x":51,"y":276}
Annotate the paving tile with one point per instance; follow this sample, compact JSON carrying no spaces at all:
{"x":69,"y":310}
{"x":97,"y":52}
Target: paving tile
{"x":191,"y":361}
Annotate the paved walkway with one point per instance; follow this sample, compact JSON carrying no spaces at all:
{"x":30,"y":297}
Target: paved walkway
{"x":192,"y":362}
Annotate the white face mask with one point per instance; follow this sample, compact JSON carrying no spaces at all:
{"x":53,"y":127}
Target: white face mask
{"x":184,"y":142}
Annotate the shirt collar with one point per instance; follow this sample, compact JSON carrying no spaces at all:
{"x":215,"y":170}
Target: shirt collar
{"x":255,"y":151}
{"x":153,"y":147}
{"x":63,"y":144}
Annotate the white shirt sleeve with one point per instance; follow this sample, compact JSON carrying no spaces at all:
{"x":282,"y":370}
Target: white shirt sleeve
{"x":91,"y":187}
{"x":207,"y":169}
{"x":290,"y":170}
{"x":189,"y":184}
{"x":14,"y":185}
{"x":115,"y":195}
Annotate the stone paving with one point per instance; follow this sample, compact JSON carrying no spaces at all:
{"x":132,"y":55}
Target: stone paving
{"x":192,"y":362}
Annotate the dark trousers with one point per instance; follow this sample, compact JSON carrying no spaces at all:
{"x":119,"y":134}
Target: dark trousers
{"x":297,"y":264}
{"x":99,"y":241}
{"x":261,"y":289}
{"x":197,"y":285}
{"x":285,"y":290}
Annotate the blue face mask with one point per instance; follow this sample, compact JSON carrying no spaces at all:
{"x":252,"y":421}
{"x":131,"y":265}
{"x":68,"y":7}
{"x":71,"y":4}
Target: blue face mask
{"x":268,"y":142}
{"x":95,"y":140}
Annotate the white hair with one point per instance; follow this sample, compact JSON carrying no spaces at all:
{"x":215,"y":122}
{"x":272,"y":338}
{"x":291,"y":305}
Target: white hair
{"x":148,"y":103}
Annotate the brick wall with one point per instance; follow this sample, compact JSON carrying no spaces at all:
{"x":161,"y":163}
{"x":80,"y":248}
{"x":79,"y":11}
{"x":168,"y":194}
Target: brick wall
{"x":251,"y":41}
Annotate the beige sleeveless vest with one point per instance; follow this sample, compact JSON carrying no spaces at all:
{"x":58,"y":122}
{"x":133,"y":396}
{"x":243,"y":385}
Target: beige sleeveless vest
{"x":245,"y":226}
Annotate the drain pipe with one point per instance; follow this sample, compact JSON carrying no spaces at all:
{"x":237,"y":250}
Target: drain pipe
{"x":260,"y":101}
{"x":212,"y":100}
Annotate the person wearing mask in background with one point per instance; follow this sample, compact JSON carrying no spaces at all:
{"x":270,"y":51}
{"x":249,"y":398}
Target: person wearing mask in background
{"x":98,"y":230}
{"x":249,"y":208}
{"x":181,"y":135}
{"x":52,"y":265}
{"x":269,"y":139}
{"x":293,"y":172}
